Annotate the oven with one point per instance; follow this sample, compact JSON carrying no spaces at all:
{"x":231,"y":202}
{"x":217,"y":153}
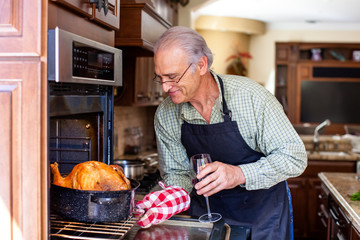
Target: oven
{"x":82,"y":75}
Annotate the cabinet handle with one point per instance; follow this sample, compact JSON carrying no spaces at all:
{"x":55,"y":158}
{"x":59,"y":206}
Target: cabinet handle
{"x":333,"y":215}
{"x":106,"y":7}
{"x":340,"y":224}
{"x":98,"y":4}
{"x":101,"y":4}
{"x":322,"y":196}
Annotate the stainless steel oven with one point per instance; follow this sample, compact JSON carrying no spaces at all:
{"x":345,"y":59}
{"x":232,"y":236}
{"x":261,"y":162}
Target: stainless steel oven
{"x":76,"y":59}
{"x":81,"y":75}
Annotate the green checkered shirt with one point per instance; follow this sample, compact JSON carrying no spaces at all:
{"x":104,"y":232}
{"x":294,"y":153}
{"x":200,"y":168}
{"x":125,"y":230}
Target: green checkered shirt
{"x":261,"y":122}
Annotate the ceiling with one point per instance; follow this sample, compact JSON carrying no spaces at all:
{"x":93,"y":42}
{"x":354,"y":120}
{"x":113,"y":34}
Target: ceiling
{"x":290,"y":14}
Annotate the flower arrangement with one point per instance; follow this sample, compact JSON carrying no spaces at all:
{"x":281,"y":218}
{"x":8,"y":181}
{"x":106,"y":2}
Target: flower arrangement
{"x":237,"y":65}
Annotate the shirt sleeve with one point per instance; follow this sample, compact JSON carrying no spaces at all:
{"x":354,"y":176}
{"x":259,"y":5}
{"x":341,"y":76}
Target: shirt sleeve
{"x":285,"y":154}
{"x":173,"y":160}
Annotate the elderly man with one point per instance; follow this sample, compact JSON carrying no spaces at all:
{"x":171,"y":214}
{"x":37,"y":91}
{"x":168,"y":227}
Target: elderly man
{"x":242,"y":126}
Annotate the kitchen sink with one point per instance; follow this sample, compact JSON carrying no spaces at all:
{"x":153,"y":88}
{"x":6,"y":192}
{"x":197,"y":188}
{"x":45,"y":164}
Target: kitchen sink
{"x":326,"y":153}
{"x":329,"y":153}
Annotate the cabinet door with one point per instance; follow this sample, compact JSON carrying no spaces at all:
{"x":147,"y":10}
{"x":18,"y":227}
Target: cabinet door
{"x":138,"y":88}
{"x":112,"y":17}
{"x":144,"y":72}
{"x":81,"y":7}
{"x":20,"y":145}
{"x":355,"y":235}
{"x":23,"y":146}
{"x":316,"y":226}
{"x":299,"y":197}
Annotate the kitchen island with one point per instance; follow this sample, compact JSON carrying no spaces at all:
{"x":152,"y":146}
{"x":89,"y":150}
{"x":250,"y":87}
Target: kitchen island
{"x":345,"y":216}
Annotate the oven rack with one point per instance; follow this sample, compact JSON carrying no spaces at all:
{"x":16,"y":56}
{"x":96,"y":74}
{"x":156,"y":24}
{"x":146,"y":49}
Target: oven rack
{"x":65,"y":229}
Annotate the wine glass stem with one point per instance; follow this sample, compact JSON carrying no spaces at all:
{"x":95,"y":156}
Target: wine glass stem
{"x":208,"y":207}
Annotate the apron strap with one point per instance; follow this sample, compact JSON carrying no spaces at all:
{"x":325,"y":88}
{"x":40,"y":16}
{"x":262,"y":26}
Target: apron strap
{"x":226,"y":111}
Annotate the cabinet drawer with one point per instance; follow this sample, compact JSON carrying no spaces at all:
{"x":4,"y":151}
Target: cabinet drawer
{"x":323,"y":211}
{"x":340,"y":224}
{"x":316,"y":166}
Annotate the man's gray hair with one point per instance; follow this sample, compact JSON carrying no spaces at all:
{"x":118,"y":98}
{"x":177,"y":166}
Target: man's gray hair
{"x":188,"y":40}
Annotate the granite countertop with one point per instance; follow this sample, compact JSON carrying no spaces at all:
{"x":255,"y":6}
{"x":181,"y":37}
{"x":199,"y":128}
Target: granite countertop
{"x":342,"y":186}
{"x":333,"y":156}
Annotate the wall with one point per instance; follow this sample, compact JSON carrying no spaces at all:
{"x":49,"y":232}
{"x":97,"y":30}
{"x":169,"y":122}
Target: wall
{"x":262,"y":48}
{"x":125,"y":117}
{"x":220,"y":51}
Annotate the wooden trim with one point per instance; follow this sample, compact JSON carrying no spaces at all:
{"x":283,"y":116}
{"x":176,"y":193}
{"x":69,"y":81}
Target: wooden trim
{"x":12,"y":27}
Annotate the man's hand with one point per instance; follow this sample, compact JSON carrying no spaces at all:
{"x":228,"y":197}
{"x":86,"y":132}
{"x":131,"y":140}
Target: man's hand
{"x":218,"y":176}
{"x":160,"y":205}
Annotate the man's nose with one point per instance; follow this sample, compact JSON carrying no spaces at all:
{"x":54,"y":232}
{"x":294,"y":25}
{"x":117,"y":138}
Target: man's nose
{"x":166,"y":86}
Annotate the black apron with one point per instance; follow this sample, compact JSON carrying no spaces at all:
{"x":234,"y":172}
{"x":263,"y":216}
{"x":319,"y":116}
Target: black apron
{"x":267,"y":211}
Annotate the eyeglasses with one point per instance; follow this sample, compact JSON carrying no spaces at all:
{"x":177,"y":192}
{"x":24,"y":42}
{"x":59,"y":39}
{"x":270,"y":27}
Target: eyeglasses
{"x":157,"y":78}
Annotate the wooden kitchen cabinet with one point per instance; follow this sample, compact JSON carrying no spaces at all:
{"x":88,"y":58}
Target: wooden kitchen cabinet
{"x":136,"y":39}
{"x":308,"y":198}
{"x":304,"y":84}
{"x":298,"y":189}
{"x":324,"y":214}
{"x":340,"y":225}
{"x":138,"y":88}
{"x":355,"y":235}
{"x":109,"y":18}
{"x":23,"y":129}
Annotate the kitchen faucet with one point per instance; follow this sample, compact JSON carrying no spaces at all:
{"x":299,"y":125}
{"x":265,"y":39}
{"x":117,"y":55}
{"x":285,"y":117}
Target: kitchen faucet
{"x":316,"y":132}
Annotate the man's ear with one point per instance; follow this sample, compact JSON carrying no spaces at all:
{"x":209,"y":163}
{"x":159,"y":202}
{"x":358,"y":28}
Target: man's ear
{"x":203,"y":65}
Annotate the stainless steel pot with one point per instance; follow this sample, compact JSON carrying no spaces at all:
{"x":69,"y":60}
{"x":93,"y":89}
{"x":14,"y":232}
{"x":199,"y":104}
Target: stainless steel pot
{"x":133,"y":169}
{"x":151,"y":162}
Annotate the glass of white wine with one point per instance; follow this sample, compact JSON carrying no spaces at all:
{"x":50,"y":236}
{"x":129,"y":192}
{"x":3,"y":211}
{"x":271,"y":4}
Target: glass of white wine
{"x":198,"y":162}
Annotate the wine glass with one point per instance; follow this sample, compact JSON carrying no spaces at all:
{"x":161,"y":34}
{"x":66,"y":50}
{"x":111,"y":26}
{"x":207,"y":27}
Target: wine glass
{"x":198,"y":162}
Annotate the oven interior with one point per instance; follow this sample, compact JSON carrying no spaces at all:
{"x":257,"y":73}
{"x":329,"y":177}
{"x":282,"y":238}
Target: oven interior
{"x":81,"y":124}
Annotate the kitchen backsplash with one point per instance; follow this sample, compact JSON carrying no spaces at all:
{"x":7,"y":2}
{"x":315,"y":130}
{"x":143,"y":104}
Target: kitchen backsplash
{"x":125,"y":117}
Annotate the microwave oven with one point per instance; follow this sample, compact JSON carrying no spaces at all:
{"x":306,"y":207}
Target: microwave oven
{"x":73,"y":58}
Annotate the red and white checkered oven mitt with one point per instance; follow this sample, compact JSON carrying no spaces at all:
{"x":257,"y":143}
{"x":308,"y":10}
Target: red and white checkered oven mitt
{"x":161,"y":205}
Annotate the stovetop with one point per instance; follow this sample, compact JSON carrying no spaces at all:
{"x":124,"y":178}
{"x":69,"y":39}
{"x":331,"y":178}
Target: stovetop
{"x":148,"y":182}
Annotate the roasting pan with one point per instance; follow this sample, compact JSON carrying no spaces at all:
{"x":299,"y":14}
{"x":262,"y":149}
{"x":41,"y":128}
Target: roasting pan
{"x":93,"y":206}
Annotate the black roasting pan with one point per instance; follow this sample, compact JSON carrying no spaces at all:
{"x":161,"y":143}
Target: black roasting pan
{"x":93,"y":206}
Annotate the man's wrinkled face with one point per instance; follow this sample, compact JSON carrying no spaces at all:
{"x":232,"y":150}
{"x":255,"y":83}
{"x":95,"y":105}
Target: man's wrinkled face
{"x":177,"y":74}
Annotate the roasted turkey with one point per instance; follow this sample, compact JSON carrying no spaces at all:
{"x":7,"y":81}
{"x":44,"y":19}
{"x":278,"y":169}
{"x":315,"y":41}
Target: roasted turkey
{"x":92,"y":175}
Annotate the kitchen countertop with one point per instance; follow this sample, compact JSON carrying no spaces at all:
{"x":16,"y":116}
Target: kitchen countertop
{"x":332,"y":147}
{"x":333,"y":156}
{"x":341,"y":186}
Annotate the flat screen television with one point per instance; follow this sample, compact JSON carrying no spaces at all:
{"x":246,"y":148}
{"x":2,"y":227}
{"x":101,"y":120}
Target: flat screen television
{"x":337,"y":101}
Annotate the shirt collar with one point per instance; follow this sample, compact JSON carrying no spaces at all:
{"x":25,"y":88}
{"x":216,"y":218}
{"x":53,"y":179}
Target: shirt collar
{"x":188,"y":112}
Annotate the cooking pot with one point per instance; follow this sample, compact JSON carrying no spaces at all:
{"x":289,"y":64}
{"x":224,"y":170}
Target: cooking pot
{"x":151,"y":162}
{"x":93,"y":206}
{"x":133,"y":169}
